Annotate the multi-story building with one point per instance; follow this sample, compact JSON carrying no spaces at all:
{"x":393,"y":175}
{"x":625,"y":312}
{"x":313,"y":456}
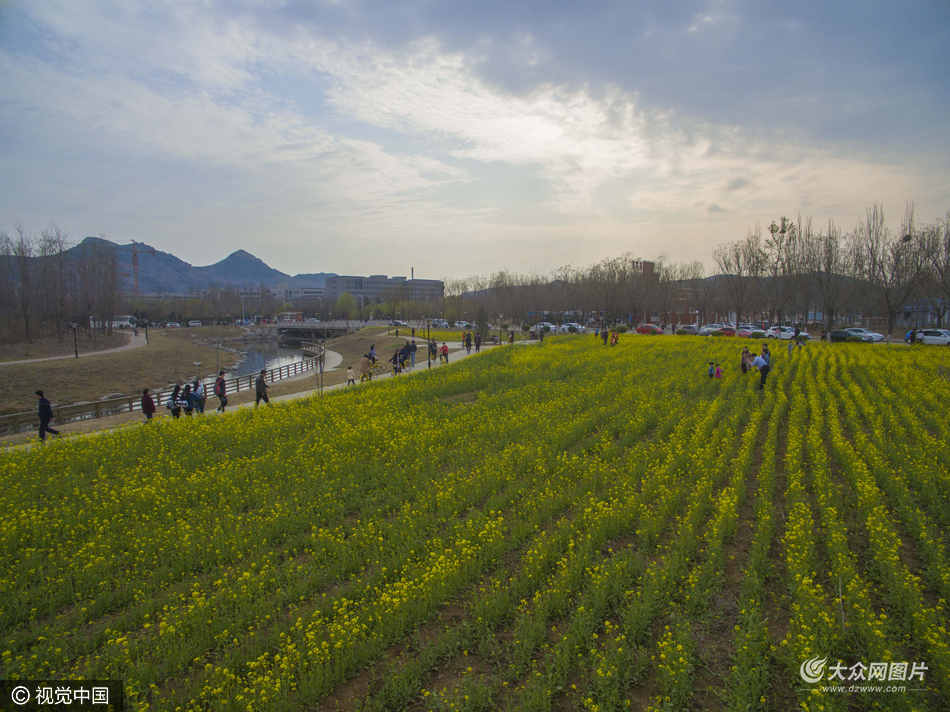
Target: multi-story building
{"x":379,"y":287}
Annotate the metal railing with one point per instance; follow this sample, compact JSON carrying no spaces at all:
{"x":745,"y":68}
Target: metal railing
{"x":64,"y":414}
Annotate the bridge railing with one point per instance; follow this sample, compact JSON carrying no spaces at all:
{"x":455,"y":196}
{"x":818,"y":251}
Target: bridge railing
{"x":64,"y":414}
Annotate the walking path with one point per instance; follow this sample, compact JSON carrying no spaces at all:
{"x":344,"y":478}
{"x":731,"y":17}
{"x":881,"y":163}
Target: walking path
{"x":134,"y":343}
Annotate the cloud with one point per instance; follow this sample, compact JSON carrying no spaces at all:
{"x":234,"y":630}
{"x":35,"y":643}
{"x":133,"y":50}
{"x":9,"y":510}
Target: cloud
{"x":376,"y":123}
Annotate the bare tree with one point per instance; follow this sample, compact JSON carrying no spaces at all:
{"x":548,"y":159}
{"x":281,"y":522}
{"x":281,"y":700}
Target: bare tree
{"x":608,"y":281}
{"x":667,"y":288}
{"x":830,"y":262}
{"x":23,"y":250}
{"x":889,"y":265}
{"x":740,"y":265}
{"x":782,"y":267}
{"x":701,"y":291}
{"x":936,"y":240}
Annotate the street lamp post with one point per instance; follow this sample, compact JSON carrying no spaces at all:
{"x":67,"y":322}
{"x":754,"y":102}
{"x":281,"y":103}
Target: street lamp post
{"x":75,"y":343}
{"x":428,"y":343}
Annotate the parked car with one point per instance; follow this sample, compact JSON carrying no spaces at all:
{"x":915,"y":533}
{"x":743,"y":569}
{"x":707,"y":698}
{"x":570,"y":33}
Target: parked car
{"x":566,"y":328}
{"x":650,"y":329}
{"x":172,"y":325}
{"x":546,"y":325}
{"x":843,"y":334}
{"x":728,"y":331}
{"x":688,"y":328}
{"x":934,"y":337}
{"x":710,"y":328}
{"x":399,"y":323}
{"x":312,"y":320}
{"x":194,"y":322}
{"x":782,"y":332}
{"x":864,"y":332}
{"x":747,"y":330}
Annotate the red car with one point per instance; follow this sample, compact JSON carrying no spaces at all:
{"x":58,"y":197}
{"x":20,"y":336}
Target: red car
{"x":649,"y":329}
{"x":728,"y":331}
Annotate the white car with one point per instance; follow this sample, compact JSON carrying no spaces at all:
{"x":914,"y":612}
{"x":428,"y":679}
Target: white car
{"x":547,"y":324}
{"x":566,"y":328}
{"x":864,"y":332}
{"x":934,"y":337}
{"x":781,"y":332}
{"x":172,"y":325}
{"x":710,"y":328}
{"x":194,"y":322}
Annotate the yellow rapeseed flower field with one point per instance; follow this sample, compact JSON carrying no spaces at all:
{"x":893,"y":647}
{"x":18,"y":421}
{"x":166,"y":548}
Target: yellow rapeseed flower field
{"x":557,"y":526}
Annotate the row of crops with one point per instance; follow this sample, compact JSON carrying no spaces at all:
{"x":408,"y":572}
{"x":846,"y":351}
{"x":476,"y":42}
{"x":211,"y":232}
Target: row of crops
{"x":564,"y":526}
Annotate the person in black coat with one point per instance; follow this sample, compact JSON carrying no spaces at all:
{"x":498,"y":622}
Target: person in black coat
{"x":45,"y":412}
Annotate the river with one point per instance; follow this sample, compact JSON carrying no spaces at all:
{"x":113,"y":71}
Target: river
{"x":264,"y":354}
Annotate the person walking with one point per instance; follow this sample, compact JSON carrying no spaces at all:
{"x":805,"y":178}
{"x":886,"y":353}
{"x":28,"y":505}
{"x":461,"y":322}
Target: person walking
{"x":478,"y":343}
{"x":763,"y":366}
{"x":396,"y":361}
{"x":260,"y":389}
{"x":200,"y":398}
{"x":366,"y":368}
{"x":511,"y":337}
{"x":604,"y":335}
{"x":444,"y":353}
{"x":187,"y":399}
{"x":412,"y":351}
{"x":44,"y":410}
{"x":712,"y":370}
{"x":350,"y":376}
{"x":372,"y":353}
{"x":174,"y":402}
{"x":221,"y":391}
{"x":468,"y":342}
{"x":541,"y":334}
{"x":148,"y":405}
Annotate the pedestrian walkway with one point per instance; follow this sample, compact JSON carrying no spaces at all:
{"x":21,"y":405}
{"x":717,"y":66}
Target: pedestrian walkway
{"x":135,"y":342}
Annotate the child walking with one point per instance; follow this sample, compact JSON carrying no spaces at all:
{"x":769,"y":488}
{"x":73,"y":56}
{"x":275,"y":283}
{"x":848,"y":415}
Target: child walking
{"x":350,"y":376}
{"x":718,"y":371}
{"x":712,"y":370}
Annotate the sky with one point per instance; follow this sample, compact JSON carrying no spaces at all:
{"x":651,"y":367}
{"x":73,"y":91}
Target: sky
{"x":460,"y":138}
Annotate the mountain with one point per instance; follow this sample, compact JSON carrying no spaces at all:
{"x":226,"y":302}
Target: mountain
{"x":164,"y":273}
{"x":243,"y":267}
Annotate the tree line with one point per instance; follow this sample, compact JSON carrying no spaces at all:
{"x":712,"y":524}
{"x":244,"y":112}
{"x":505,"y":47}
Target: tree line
{"x":788,"y":271}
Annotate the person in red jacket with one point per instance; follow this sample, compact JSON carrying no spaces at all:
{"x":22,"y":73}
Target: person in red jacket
{"x":148,"y":405}
{"x":444,"y":353}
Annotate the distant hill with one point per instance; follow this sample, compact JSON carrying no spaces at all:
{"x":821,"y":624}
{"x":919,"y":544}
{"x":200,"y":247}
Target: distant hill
{"x":164,"y":273}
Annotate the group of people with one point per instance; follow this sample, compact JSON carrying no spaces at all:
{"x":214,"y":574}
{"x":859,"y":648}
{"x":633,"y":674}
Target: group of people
{"x":468,"y":340}
{"x":747,"y":362}
{"x":762,"y":362}
{"x":192,"y":397}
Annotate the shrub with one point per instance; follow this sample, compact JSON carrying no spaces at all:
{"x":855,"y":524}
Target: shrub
{"x":718,"y":333}
{"x":572,"y":329}
{"x":757,"y":335}
{"x":525,"y":327}
{"x":683,"y":332}
{"x":854,"y":339}
{"x":547,"y":329}
{"x":620,"y":329}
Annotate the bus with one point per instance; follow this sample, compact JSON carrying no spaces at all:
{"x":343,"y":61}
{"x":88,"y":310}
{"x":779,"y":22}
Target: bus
{"x":124,"y":321}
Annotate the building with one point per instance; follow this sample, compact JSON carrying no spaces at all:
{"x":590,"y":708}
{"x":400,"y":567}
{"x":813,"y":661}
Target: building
{"x":379,"y":287}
